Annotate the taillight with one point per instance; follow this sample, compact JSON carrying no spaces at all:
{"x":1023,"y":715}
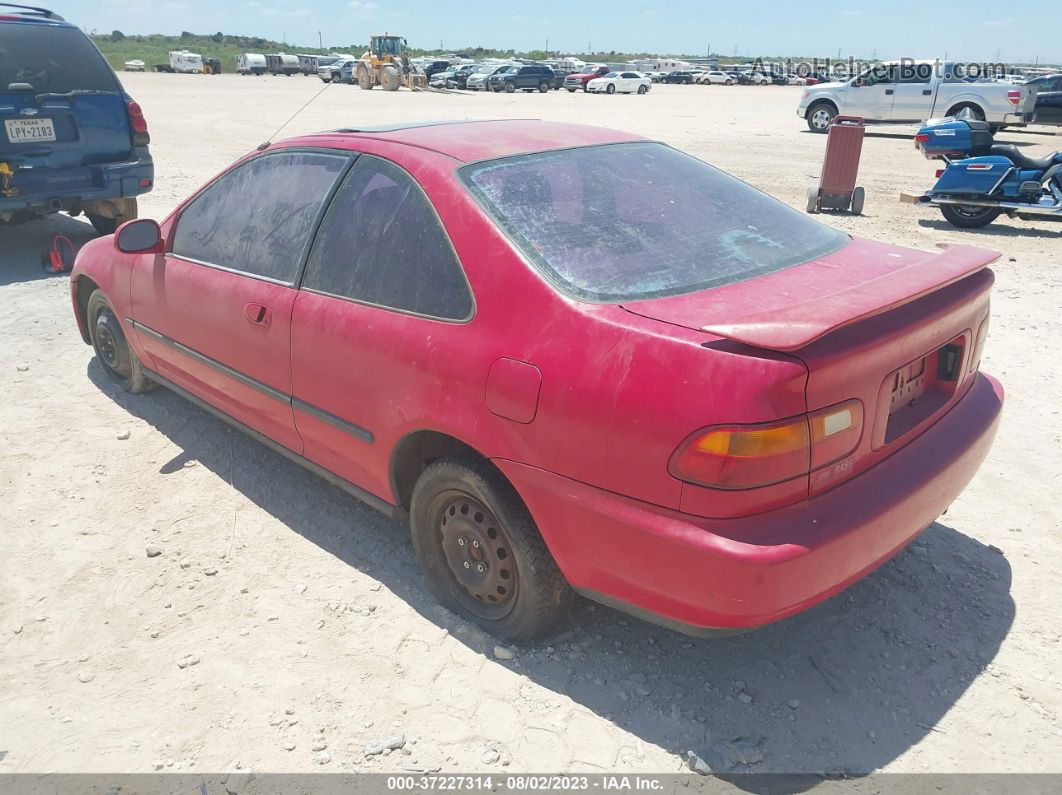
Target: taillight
{"x":939,"y":173}
{"x":1014,"y":97}
{"x":919,"y":140}
{"x":835,"y":432}
{"x":748,"y":456}
{"x":138,"y":123}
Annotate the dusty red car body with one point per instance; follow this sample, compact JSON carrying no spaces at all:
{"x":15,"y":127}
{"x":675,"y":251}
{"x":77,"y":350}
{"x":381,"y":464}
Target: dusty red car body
{"x":582,"y":406}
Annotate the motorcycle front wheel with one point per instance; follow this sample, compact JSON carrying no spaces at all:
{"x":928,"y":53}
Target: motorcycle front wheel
{"x":968,"y":217}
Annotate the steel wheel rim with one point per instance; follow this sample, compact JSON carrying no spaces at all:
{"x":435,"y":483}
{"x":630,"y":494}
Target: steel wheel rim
{"x":477,"y":553}
{"x":106,"y":344}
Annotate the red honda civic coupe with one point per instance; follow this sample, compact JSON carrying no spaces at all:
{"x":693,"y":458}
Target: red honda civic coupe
{"x":577,"y":360}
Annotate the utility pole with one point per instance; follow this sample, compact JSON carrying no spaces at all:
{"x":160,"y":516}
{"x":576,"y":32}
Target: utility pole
{"x":547,"y":46}
{"x":320,"y":42}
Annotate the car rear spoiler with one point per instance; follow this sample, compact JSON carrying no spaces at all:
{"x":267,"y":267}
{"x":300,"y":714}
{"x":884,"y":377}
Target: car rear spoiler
{"x":801,"y":322}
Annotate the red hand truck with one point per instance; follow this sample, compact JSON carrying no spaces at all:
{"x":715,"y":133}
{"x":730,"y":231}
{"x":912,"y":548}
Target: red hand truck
{"x":836,"y":188}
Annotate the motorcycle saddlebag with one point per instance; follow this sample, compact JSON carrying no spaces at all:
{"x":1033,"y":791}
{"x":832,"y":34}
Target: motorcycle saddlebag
{"x":973,"y":176}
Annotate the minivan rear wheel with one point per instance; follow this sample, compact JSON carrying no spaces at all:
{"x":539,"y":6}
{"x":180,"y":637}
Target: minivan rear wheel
{"x":481,"y":553}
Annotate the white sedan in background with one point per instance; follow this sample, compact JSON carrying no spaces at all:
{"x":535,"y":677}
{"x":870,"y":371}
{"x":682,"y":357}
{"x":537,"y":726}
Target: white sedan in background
{"x":722,"y":78}
{"x":620,"y":82}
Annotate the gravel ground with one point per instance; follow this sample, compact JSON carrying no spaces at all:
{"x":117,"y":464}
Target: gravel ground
{"x":175,"y":596}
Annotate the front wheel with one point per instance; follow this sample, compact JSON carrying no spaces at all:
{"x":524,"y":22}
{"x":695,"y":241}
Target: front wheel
{"x":481,"y":553}
{"x":510,"y":88}
{"x":119,"y":361}
{"x":968,"y":217}
{"x":610,"y":90}
{"x":729,"y":82}
{"x":820,"y":117}
{"x":570,"y":90}
{"x":543,"y":87}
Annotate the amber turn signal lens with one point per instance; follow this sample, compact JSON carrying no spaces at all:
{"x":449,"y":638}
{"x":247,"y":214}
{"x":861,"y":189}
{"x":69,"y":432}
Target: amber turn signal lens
{"x":742,"y":457}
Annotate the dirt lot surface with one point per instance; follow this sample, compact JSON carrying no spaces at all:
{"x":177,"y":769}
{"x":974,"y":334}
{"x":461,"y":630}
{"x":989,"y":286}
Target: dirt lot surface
{"x":284,"y":626}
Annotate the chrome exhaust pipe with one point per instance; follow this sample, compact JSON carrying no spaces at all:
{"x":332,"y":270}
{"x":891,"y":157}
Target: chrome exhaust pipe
{"x":1008,"y":207}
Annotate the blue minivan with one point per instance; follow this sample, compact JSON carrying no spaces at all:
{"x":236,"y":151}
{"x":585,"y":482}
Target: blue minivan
{"x":71,"y":139}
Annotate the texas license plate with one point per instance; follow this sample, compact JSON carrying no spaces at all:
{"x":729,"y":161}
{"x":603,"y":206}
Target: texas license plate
{"x":28,"y":131}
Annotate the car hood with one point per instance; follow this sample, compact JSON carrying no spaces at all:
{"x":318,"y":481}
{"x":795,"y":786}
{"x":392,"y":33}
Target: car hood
{"x":790,"y":309}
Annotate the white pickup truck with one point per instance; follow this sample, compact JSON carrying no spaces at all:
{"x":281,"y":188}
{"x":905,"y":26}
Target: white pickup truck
{"x":911,"y":91}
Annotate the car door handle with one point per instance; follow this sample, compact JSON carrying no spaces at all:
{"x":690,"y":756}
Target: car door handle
{"x":256,"y":313}
{"x":928,"y":92}
{"x":889,"y":91}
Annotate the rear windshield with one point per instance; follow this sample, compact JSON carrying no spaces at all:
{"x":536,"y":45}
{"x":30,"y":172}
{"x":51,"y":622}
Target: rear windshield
{"x":625,"y":222}
{"x":52,"y":59}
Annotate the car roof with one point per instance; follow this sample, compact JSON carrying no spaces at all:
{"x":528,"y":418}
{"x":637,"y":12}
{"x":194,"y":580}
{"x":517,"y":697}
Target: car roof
{"x":23,"y":13}
{"x":469,"y":141}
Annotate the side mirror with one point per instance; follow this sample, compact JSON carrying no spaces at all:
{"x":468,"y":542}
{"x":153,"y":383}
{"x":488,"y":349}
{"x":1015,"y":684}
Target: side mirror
{"x":857,"y":83}
{"x":139,"y":236}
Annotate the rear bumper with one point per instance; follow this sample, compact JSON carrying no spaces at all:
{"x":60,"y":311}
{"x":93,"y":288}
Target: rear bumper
{"x":704,"y":575}
{"x":49,"y":190}
{"x":1019,"y":119}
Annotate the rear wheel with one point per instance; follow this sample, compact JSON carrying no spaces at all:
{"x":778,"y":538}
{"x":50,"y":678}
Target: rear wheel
{"x":969,"y":217}
{"x":118,"y":360}
{"x":642,"y":89}
{"x":570,"y":90}
{"x":813,"y":197}
{"x":105,"y":225}
{"x":481,"y":553}
{"x":858,"y":197}
{"x":975,"y":111}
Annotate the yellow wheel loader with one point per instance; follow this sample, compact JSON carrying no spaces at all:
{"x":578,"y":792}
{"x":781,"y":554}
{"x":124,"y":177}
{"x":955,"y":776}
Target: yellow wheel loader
{"x":387,"y":65}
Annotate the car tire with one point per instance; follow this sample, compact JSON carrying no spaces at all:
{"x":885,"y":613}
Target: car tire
{"x":570,"y":90}
{"x":543,"y":87}
{"x":107,"y":226}
{"x":104,"y":225}
{"x":117,"y":358}
{"x":510,"y":87}
{"x":820,"y":117}
{"x":337,"y":78}
{"x":858,"y":198}
{"x":364,"y":78}
{"x":610,"y":89}
{"x":969,"y":217}
{"x":643,"y":89}
{"x":481,"y":553}
{"x":978,"y":113}
{"x":729,"y":82}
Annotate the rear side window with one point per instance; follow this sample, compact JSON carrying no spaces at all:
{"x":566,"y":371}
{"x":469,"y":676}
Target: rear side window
{"x":257,"y":218}
{"x":625,"y":222}
{"x":381,"y":243}
{"x":53,"y":59}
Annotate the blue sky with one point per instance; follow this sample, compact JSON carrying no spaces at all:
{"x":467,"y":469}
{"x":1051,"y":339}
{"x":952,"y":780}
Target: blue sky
{"x":905,"y":28}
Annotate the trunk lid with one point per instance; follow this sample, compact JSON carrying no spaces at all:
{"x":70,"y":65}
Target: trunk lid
{"x":895,"y":328}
